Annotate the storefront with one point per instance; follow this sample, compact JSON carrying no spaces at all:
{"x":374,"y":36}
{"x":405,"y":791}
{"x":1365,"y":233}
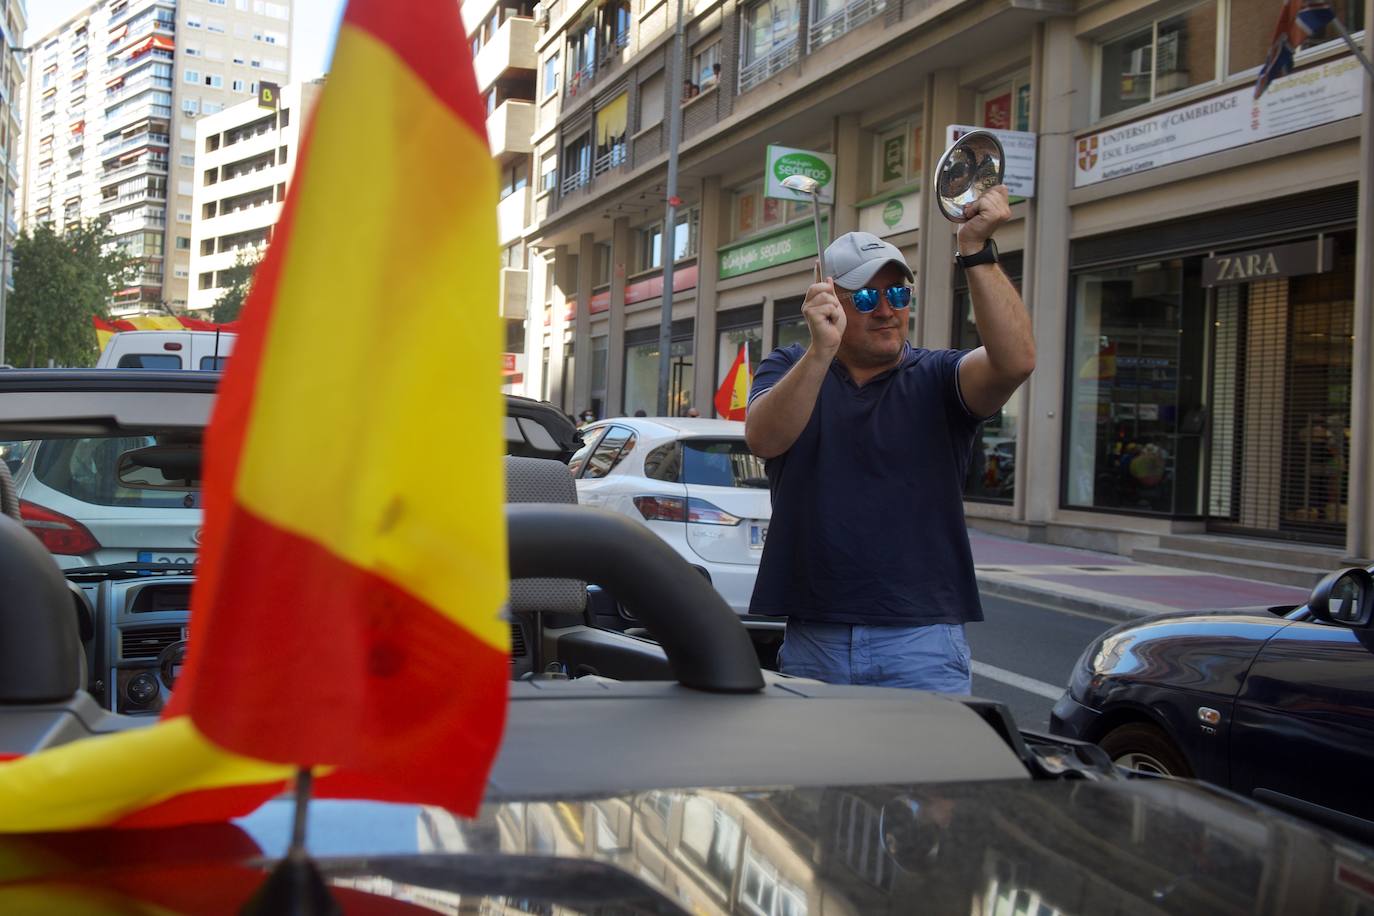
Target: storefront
{"x":1209,"y":370}
{"x":992,"y":468}
{"x":642,"y":369}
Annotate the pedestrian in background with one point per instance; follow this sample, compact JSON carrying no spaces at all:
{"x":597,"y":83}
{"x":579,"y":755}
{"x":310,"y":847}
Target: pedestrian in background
{"x":867,"y":442}
{"x":693,"y":412}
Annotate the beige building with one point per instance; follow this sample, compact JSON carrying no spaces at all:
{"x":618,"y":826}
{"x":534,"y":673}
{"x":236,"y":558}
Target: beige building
{"x":13,"y":20}
{"x":501,"y":34}
{"x":245,"y":156}
{"x":1188,"y":254}
{"x":112,"y":97}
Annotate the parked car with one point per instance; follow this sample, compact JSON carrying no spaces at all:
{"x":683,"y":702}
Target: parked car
{"x":683,"y":778}
{"x":167,"y":350}
{"x":691,"y":481}
{"x":1273,"y":707}
{"x":86,"y":495}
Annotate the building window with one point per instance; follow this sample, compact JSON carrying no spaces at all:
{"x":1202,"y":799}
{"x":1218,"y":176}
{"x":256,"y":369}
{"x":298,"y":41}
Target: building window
{"x":550,"y":75}
{"x":897,"y":155}
{"x":684,"y":241}
{"x":214,"y":25}
{"x":515,"y":178}
{"x":548,"y":171}
{"x":751,"y":212}
{"x":706,"y":65}
{"x":191,"y":76}
{"x":1006,"y":106}
{"x":1165,"y":56}
{"x":1251,"y":32}
{"x":769,"y":43}
{"x":214,"y":80}
{"x":192,"y":51}
{"x":581,"y":56}
{"x":1136,"y":370}
{"x":193,"y":22}
{"x":513,"y":255}
{"x":190,"y":106}
{"x":212,"y":108}
{"x":577,"y":163}
{"x":611,"y":122}
{"x":187,"y":159}
{"x":641,"y":369}
{"x":237,"y":86}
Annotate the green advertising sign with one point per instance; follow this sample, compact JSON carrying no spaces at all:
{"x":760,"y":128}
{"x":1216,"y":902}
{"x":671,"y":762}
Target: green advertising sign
{"x":894,"y":158}
{"x":784,"y":162}
{"x":783,"y":247}
{"x":892,"y":212}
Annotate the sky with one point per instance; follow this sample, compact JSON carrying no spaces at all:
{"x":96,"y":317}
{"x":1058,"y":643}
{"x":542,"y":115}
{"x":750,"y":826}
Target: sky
{"x":314,"y":23}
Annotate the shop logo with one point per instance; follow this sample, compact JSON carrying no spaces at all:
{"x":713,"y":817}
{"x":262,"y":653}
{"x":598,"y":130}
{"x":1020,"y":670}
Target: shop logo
{"x":802,"y":164}
{"x":1087,"y":153}
{"x":892,"y":213}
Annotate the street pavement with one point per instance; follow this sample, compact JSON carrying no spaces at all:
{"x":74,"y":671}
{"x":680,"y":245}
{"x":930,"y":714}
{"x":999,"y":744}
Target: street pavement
{"x":1043,"y":604}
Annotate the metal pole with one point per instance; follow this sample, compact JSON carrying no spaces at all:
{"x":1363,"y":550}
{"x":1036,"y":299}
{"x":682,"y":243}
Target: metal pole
{"x":5,"y":261}
{"x":1360,"y":524}
{"x":665,"y":322}
{"x":1354,"y":48}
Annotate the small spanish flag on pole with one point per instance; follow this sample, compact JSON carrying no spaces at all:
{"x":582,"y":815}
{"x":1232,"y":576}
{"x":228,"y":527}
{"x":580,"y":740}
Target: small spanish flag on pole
{"x":347,"y":613}
{"x":732,"y":397}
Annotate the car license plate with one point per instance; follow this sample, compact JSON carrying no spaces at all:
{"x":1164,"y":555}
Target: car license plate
{"x":757,"y":535}
{"x":175,"y":557}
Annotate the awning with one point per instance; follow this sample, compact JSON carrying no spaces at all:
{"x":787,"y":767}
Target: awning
{"x":611,"y":120}
{"x":78,"y":126}
{"x":164,"y":43}
{"x":120,"y":32}
{"x":118,"y":80}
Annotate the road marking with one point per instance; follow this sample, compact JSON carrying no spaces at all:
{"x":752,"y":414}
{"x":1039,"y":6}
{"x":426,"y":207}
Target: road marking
{"x":1019,"y":681}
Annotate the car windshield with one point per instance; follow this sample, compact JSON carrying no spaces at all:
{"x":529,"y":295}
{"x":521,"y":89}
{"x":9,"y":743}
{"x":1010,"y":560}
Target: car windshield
{"x":721,"y":463}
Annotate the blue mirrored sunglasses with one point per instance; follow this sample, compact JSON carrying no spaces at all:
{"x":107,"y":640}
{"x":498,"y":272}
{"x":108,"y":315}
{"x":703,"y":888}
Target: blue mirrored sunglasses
{"x":866,"y":299}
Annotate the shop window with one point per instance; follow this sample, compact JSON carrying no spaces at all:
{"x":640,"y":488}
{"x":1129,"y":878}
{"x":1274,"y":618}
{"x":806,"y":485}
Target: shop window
{"x":706,"y":64}
{"x":752,"y":212}
{"x":789,"y":326}
{"x":739,"y":327}
{"x":1006,"y":106}
{"x":992,"y":465}
{"x":1162,"y":57}
{"x":1251,"y":31}
{"x":897,"y":155}
{"x":1135,"y":397}
{"x":641,"y":370}
{"x":600,"y":352}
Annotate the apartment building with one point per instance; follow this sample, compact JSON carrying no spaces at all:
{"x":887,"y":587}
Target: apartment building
{"x":112,"y":97}
{"x":245,"y":156}
{"x":1196,"y":261}
{"x":501,"y":34}
{"x":13,"y":21}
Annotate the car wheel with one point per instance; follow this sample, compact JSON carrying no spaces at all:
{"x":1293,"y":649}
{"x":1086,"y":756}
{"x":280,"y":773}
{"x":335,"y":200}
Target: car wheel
{"x":1144,"y":747}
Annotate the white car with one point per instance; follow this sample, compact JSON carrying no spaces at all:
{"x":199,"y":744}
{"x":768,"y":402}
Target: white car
{"x":693,"y":482}
{"x":75,"y":496}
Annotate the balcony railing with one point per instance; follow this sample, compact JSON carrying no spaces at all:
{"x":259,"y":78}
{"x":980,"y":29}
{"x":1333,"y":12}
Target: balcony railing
{"x":575,"y":180}
{"x":581,"y":80}
{"x":760,"y":70}
{"x":844,"y":20}
{"x":119,"y":145}
{"x":134,"y":168}
{"x":128,"y":90}
{"x":614,"y":158}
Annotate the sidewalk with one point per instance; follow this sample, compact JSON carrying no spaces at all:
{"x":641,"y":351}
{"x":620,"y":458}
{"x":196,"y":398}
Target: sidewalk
{"x":1110,"y":585}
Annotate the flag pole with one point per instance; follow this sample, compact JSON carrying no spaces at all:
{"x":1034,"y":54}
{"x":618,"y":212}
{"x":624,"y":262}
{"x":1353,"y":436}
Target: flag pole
{"x":295,"y":885}
{"x":1354,"y":48}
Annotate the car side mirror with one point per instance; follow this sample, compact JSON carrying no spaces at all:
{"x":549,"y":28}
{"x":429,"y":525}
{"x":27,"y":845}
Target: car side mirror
{"x":1345,"y":597}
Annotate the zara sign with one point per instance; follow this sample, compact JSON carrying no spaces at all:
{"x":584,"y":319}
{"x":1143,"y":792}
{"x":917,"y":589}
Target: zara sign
{"x":1312,"y":257}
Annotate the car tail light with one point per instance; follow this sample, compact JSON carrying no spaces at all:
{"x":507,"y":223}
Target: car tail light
{"x":677,"y":509}
{"x":58,"y":533}
{"x":662,"y":508}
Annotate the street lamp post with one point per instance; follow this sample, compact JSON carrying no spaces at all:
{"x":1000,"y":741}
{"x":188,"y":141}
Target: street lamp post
{"x":665,"y":322}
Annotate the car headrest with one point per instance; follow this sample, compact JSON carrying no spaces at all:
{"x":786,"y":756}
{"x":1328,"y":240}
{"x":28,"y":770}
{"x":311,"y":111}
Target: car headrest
{"x":40,"y":650}
{"x":543,"y":480}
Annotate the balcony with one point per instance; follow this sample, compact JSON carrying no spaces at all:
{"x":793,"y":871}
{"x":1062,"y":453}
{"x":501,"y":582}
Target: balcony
{"x":514,"y":292}
{"x":511,"y":49}
{"x":758,"y":71}
{"x":121,"y":144}
{"x":512,"y":215}
{"x":510,"y":127}
{"x":843,"y":20}
{"x":151,"y":166}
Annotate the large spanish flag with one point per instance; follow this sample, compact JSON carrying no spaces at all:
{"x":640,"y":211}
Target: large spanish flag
{"x":347,"y":609}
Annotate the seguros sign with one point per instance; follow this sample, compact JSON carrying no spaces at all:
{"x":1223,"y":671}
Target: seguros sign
{"x":784,"y":162}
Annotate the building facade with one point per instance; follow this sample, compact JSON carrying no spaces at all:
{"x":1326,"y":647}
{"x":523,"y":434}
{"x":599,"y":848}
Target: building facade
{"x":502,"y":34}
{"x":1191,"y":256}
{"x":245,"y":156}
{"x":13,"y":21}
{"x":112,"y":97}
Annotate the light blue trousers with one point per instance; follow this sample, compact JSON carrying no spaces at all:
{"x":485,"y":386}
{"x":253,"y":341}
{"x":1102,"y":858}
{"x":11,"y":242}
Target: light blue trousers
{"x":931,"y":657}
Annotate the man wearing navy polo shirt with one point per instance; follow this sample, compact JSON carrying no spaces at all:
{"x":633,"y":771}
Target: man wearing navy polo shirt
{"x":867,"y":441}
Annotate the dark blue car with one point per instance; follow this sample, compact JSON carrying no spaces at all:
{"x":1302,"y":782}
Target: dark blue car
{"x":1280,"y":708}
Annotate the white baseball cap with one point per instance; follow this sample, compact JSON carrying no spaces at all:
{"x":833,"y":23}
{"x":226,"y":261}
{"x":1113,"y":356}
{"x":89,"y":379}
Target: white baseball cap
{"x":855,"y":258}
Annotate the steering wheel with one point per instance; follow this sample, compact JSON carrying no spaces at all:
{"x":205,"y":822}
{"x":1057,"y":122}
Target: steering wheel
{"x":707,"y":646}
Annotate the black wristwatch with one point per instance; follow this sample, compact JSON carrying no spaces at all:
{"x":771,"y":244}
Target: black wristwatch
{"x":987,"y":256}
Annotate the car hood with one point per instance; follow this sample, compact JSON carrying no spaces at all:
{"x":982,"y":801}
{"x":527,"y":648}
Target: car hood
{"x":1129,"y":846}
